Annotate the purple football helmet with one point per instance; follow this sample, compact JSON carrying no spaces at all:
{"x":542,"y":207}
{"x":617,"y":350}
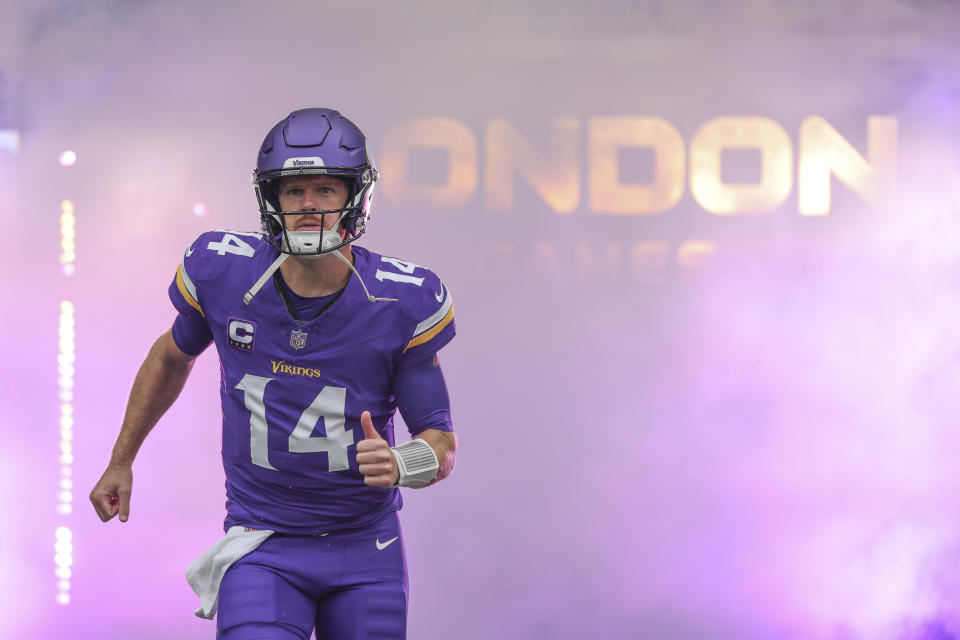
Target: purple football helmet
{"x":314,"y":141}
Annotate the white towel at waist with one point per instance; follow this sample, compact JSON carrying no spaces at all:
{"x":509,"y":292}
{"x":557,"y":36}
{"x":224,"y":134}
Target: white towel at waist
{"x":207,"y":571}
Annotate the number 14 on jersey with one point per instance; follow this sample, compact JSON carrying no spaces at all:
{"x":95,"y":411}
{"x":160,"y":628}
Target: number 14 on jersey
{"x":329,"y":404}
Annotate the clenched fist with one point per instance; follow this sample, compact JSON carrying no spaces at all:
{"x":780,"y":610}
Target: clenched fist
{"x":111,"y":495}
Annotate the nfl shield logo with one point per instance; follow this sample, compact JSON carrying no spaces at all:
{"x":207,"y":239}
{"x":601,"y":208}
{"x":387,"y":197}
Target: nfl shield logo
{"x":298,"y":339}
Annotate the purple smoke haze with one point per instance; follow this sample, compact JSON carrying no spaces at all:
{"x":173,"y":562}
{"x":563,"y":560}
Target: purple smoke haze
{"x":765,"y":446}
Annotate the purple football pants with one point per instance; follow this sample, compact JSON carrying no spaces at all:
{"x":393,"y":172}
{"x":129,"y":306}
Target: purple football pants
{"x":349,"y":586}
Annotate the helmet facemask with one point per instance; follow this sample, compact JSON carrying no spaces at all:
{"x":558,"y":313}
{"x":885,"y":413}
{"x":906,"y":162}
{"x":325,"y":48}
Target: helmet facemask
{"x":351,"y":219}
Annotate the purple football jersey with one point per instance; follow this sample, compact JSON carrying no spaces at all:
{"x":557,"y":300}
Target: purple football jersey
{"x":293,"y":392}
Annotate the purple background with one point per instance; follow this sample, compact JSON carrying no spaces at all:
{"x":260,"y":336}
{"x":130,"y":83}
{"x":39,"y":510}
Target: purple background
{"x":765,"y":447}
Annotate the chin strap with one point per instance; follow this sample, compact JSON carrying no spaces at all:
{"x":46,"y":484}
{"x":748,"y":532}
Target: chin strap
{"x":367,"y":291}
{"x":248,"y":296}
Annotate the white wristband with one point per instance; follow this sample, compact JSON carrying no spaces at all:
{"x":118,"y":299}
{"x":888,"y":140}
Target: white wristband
{"x":417,"y":462}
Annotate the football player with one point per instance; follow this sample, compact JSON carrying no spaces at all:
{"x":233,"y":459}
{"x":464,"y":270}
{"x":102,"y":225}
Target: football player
{"x":320,"y":342}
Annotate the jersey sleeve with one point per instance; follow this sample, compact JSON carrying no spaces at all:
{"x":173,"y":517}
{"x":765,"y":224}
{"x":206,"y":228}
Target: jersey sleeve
{"x":422,"y":397}
{"x":191,"y":333}
{"x":435,"y":326}
{"x":183,"y":290}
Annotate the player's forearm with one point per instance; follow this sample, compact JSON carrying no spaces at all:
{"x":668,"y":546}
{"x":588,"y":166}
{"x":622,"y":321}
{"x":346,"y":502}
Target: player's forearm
{"x":158,"y":383}
{"x":444,"y":444}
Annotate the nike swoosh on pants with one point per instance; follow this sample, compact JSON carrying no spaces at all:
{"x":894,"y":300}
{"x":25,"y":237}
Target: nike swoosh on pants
{"x":383,"y":545}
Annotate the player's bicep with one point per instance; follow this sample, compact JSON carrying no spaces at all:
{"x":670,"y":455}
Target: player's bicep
{"x":422,"y":398}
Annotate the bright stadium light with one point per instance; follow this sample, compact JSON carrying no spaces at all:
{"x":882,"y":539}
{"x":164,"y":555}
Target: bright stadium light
{"x":66,"y":358}
{"x":68,"y":158}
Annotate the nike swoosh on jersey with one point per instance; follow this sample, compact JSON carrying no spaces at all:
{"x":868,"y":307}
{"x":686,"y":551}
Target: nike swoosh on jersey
{"x":383,"y":545}
{"x":439,"y":296}
{"x":189,"y":252}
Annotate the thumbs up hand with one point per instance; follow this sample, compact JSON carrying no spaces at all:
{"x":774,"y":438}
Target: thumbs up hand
{"x":377,"y":464}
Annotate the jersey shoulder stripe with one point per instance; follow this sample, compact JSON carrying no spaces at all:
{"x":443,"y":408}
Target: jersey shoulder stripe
{"x":434,"y":324}
{"x":187,"y":289}
{"x":213,"y":262}
{"x":424,"y":307}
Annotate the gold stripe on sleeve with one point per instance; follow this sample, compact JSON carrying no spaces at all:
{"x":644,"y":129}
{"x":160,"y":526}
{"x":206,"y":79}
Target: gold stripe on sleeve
{"x":186,"y":294}
{"x":437,"y":328}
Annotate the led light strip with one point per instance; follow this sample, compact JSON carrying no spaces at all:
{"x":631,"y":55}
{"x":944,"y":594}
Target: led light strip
{"x":63,"y":548}
{"x":67,"y":234}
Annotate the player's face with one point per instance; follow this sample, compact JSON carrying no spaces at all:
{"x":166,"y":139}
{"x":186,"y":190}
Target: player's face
{"x":312,"y":193}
